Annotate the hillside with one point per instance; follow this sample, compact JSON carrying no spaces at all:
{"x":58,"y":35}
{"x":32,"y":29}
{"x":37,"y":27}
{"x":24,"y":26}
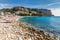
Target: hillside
{"x":23,"y":11}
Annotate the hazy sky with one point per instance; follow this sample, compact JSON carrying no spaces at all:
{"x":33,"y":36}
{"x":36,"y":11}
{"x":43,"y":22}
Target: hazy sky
{"x":54,"y":5}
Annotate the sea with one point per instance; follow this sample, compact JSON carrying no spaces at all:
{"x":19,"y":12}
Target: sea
{"x":48,"y":23}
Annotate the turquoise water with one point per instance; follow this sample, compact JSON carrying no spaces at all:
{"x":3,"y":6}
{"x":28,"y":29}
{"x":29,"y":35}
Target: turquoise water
{"x":51,"y":24}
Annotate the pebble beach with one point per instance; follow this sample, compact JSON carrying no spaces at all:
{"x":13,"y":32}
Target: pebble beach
{"x":11,"y":29}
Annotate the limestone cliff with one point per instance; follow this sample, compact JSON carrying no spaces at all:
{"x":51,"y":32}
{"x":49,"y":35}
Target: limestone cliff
{"x":24,"y":11}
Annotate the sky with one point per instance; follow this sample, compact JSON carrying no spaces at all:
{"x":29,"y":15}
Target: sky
{"x":53,"y":5}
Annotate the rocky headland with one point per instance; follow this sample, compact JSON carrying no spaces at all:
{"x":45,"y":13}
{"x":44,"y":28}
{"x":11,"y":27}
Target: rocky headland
{"x":24,"y":11}
{"x":11,"y":29}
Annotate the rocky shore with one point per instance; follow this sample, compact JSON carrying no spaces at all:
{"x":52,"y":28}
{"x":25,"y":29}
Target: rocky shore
{"x":11,"y":29}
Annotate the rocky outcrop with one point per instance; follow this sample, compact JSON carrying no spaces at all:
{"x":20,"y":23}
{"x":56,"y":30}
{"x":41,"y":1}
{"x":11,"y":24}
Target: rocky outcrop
{"x":23,"y":11}
{"x":46,"y":12}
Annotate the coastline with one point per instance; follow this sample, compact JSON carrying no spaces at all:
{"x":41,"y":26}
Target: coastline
{"x":11,"y":29}
{"x":44,"y":32}
{"x":39,"y":29}
{"x":49,"y":32}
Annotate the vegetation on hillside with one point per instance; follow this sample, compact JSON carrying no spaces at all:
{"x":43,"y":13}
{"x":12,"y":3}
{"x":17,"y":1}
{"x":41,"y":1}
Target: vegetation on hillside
{"x":23,"y":11}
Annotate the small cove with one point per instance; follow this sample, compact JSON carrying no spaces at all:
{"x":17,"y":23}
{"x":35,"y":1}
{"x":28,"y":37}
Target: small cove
{"x":47,"y":23}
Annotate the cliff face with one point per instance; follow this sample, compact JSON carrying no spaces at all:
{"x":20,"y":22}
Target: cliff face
{"x":23,"y":11}
{"x":46,"y":12}
{"x":13,"y":30}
